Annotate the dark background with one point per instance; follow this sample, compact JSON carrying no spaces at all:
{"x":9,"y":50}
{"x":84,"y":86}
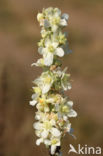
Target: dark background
{"x":19,"y":34}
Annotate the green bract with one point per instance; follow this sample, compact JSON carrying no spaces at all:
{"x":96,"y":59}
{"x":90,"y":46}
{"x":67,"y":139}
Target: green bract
{"x":53,"y":108}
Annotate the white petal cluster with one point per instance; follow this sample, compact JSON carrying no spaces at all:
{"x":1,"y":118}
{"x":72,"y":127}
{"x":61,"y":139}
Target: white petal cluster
{"x":53,"y":108}
{"x":54,"y":42}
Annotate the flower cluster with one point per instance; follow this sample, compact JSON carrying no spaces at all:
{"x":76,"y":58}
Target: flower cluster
{"x":53,"y":108}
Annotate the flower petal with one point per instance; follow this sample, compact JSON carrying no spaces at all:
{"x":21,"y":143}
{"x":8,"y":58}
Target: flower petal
{"x":54,"y":28}
{"x":65,"y":16}
{"x":63,"y":22}
{"x":41,"y":50}
{"x":55,"y":44}
{"x":34,"y":96}
{"x":37,"y":117}
{"x":53,"y":149}
{"x":72,"y":113}
{"x":70,"y":103}
{"x":69,"y":127}
{"x":33,"y":103}
{"x":48,"y":59}
{"x":46,"y":88}
{"x":59,"y":52}
{"x":46,"y":109}
{"x":55,"y":132}
{"x":65,"y":118}
{"x":47,"y":142}
{"x":39,"y":141}
{"x":38,"y":133}
{"x":44,"y":134}
{"x":47,"y":42}
{"x":37,"y":125}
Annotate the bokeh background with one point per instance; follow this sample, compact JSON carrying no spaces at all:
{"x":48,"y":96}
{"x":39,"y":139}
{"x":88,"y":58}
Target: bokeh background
{"x":19,"y":34}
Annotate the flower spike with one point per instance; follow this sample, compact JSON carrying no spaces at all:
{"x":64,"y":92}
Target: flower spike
{"x":54,"y":108}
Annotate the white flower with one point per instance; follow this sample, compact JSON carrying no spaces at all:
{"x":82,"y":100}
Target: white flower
{"x":45,"y":82}
{"x":51,"y":49}
{"x":42,"y":104}
{"x":63,"y":78}
{"x":56,"y":21}
{"x":43,"y":130}
{"x":65,"y":110}
{"x":54,"y":143}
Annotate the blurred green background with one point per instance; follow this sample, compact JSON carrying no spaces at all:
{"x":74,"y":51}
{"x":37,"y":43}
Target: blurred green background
{"x":19,"y":34}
